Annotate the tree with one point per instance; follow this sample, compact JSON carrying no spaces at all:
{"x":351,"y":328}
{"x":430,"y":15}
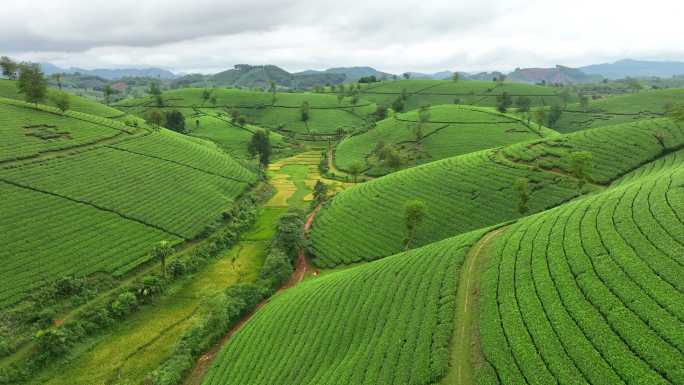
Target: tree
{"x":633,"y":84}
{"x":523,"y":103}
{"x":156,"y":93}
{"x":9,"y":67}
{"x":564,"y":96}
{"x":540,"y":117}
{"x":523,"y":190}
{"x":161,"y":251}
{"x":675,"y":113}
{"x":320,"y":193}
{"x":406,"y":75}
{"x":305,"y":111}
{"x":212,"y":100}
{"x":423,"y":118}
{"x":289,"y":235}
{"x":154,"y":118}
{"x":554,"y":115}
{"x":455,"y":77}
{"x":206,"y":94}
{"x":354,"y":98}
{"x":584,"y":101}
{"x":272,"y":88}
{"x":398,"y":104}
{"x":391,"y":157}
{"x":260,"y":145}
{"x":340,"y":98}
{"x":500,"y":79}
{"x":355,"y":169}
{"x":380,"y":112}
{"x":108,"y":92}
{"x":62,"y":101}
{"x":58,"y":78}
{"x":414,"y":214}
{"x":32,"y":83}
{"x":175,"y":121}
{"x":234,"y":114}
{"x":580,"y":166}
{"x":503,"y":102}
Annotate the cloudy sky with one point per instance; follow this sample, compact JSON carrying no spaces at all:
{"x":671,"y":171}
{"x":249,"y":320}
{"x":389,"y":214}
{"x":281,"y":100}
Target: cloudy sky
{"x":391,"y":35}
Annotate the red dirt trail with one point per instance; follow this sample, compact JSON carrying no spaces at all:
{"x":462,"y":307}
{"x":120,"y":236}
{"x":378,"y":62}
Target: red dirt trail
{"x":205,"y":360}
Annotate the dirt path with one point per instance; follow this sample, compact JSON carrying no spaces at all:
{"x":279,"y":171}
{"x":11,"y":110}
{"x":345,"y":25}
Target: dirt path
{"x":204,"y":362}
{"x":465,"y":351}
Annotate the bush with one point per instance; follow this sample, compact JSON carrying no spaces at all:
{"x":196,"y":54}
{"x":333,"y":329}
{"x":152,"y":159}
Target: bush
{"x":276,"y":269}
{"x":124,"y":304}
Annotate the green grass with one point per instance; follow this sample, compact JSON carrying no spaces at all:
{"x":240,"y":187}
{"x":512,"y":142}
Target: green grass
{"x":619,"y":109}
{"x":452,"y":130}
{"x":476,"y":190}
{"x":94,"y":206}
{"x":386,"y":322}
{"x":591,"y":292}
{"x":474,"y":92}
{"x":282,"y":115}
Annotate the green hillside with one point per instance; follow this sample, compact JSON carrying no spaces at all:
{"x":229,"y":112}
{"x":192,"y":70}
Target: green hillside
{"x":473,"y":92}
{"x":386,"y":322}
{"x":283,"y":115}
{"x":591,"y":292}
{"x":619,"y":109}
{"x":476,"y":190}
{"x":84,"y":194}
{"x":451,"y":130}
{"x":8,"y":89}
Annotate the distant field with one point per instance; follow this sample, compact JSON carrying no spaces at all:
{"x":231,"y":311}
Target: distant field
{"x":619,"y":109}
{"x":283,"y":115}
{"x":102,"y":205}
{"x":386,"y":322}
{"x":591,"y":292}
{"x":473,"y":92}
{"x":476,"y":190}
{"x":452,"y":130}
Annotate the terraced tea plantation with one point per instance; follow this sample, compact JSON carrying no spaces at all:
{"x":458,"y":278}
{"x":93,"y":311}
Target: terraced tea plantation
{"x":472,"y":92}
{"x":451,"y":130}
{"x":386,"y":322}
{"x":281,"y":113}
{"x":591,"y":292}
{"x":100,"y":194}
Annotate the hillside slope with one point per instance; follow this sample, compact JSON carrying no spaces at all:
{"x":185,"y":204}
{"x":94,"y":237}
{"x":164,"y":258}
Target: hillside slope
{"x":472,"y":191}
{"x":84,"y":194}
{"x":451,"y":130}
{"x":386,"y":322}
{"x":592,"y":291}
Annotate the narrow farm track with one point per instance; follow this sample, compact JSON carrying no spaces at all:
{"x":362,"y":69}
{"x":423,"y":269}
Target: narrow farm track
{"x":205,"y":361}
{"x":465,"y":345}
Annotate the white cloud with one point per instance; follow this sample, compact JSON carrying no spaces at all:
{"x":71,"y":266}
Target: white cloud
{"x":211,"y":35}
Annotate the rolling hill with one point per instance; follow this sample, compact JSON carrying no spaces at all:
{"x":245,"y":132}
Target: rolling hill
{"x":476,"y":190}
{"x":619,"y":109}
{"x":85,"y":194}
{"x":451,"y":130}
{"x":473,"y":92}
{"x":282,"y":115}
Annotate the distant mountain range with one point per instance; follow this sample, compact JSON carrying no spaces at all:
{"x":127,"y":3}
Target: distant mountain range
{"x":635,"y":68}
{"x":110,"y":74}
{"x":260,"y":76}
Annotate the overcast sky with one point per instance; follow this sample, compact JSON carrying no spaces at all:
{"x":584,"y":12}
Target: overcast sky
{"x":391,"y":35}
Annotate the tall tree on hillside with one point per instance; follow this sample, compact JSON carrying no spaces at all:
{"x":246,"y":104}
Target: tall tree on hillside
{"x":340,"y":98}
{"x":206,"y":94}
{"x":414,"y":214}
{"x":380,"y":112}
{"x":212,"y":100}
{"x":455,"y":77}
{"x":580,"y":166}
{"x":108,"y":92}
{"x":503,"y":102}
{"x":161,"y":251}
{"x":399,"y":104}
{"x":355,"y":168}
{"x":320,"y":193}
{"x":9,"y":67}
{"x":156,"y":93}
{"x":406,"y":75}
{"x":62,"y":101}
{"x":32,"y":83}
{"x":305,"y":111}
{"x":423,"y":118}
{"x":540,"y":117}
{"x":522,"y":187}
{"x":57,"y":77}
{"x":154,"y":118}
{"x":272,"y":89}
{"x":523,"y":103}
{"x":175,"y":121}
{"x":554,"y":115}
{"x":633,"y":84}
{"x":260,"y":145}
